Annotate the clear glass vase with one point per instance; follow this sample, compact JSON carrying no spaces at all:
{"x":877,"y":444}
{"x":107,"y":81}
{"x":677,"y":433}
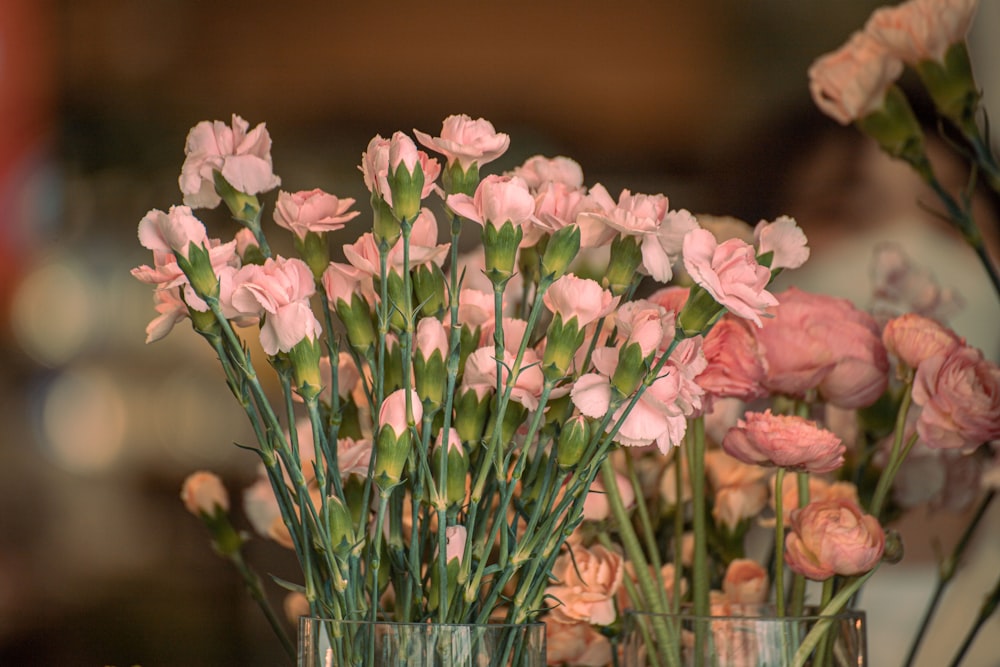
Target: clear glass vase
{"x":333,"y":643}
{"x":749,"y":636}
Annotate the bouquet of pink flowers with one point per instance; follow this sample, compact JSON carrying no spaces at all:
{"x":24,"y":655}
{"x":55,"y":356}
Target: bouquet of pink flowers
{"x":441,"y":417}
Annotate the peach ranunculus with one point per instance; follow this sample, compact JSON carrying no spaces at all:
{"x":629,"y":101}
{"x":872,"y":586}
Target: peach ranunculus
{"x":243,"y":158}
{"x":784,"y":238}
{"x":851,"y":82}
{"x":959,"y":396}
{"x":921,"y":30}
{"x":815,"y":341}
{"x":833,"y":537}
{"x":913,"y":338}
{"x":745,"y":582}
{"x":740,"y":489}
{"x":586,"y":583}
{"x":575,"y":643}
{"x":785,"y":441}
{"x":312,"y":211}
{"x":730,"y":273}
{"x":280,"y":290}
{"x":204,"y":493}
{"x":466,"y":141}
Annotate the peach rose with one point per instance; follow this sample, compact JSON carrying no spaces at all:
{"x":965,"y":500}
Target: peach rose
{"x":833,"y":537}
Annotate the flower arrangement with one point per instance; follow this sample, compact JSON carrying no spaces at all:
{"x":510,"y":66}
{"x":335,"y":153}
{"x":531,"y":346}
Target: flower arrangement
{"x":592,"y":411}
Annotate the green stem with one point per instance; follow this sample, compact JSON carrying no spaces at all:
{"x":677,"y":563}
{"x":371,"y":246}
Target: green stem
{"x":835,"y":606}
{"x":896,"y":454}
{"x":779,"y":542}
{"x":985,"y":611}
{"x":700,"y":582}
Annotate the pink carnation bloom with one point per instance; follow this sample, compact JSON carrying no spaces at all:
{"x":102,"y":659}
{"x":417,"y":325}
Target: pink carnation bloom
{"x":913,"y":338}
{"x":645,"y":323}
{"x":363,"y":254}
{"x":959,"y":394}
{"x":204,"y":493}
{"x":833,"y":537}
{"x":342,"y":281}
{"x":243,"y":158}
{"x":466,"y":141}
{"x":730,"y":273}
{"x":538,"y":171}
{"x":498,"y":199}
{"x":172,"y":232}
{"x":921,"y":30}
{"x":481,"y":375}
{"x":596,"y":507}
{"x":786,"y":441}
{"x":851,"y":82}
{"x":383,"y":154}
{"x":557,"y":206}
{"x":785,"y":239}
{"x":814,"y":341}
{"x":312,"y":211}
{"x":579,"y":298}
{"x":171,"y":309}
{"x":280,"y":290}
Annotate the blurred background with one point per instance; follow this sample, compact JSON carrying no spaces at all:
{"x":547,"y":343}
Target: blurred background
{"x":706,"y":102}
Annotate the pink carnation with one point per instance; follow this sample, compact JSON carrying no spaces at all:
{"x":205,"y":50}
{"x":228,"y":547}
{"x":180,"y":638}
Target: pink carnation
{"x":466,"y":141}
{"x":312,"y":211}
{"x":243,"y":158}
{"x":498,"y":199}
{"x":579,"y":298}
{"x":730,"y":273}
{"x":539,"y":170}
{"x":851,"y":82}
{"x":785,"y":239}
{"x":280,"y":290}
{"x":921,"y":30}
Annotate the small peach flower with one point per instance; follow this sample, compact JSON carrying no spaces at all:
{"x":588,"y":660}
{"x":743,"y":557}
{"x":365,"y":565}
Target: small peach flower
{"x":587,"y":581}
{"x":921,"y":30}
{"x":466,"y":141}
{"x":833,"y":537}
{"x":745,"y":582}
{"x":851,"y":82}
{"x":785,"y":239}
{"x":204,"y":493}
{"x":914,"y":338}
{"x":312,"y":211}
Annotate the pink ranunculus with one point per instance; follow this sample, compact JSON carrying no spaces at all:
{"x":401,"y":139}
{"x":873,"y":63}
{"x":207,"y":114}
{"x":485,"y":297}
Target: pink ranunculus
{"x":575,"y":643}
{"x":921,"y":30}
{"x":172,"y":232}
{"x":959,"y":396}
{"x":498,"y":199}
{"x":785,"y":441}
{"x":539,"y":170}
{"x":736,"y":365}
{"x":586,"y":583}
{"x":204,"y":493}
{"x":913,"y":338}
{"x":466,"y":141}
{"x":243,"y":158}
{"x":312,"y":211}
{"x":582,"y":298}
{"x":280,"y":290}
{"x":745,"y":582}
{"x":730,"y":273}
{"x":851,"y":82}
{"x":785,"y":239}
{"x":833,"y":537}
{"x":815,"y":341}
{"x":393,"y":413}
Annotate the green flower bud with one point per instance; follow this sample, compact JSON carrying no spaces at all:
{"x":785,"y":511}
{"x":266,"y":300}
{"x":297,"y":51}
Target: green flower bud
{"x":391,"y":452}
{"x":626,"y":256}
{"x":429,"y":288}
{"x":500,"y":247}
{"x":952,"y":86}
{"x":315,"y":252}
{"x":304,"y":357}
{"x":572,"y":442}
{"x":341,"y":527}
{"x":197,"y":266}
{"x":385,"y":227}
{"x":700,"y":311}
{"x":357,"y":319}
{"x":431,"y":378}
{"x":561,"y":249}
{"x":631,"y":369}
{"x":471,"y":413}
{"x":562,"y":340}
{"x":458,"y":181}
{"x":406,"y":190}
{"x":454,"y":485}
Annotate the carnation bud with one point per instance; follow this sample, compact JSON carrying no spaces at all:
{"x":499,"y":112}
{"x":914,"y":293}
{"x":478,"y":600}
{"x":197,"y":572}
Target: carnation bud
{"x":471,"y":413}
{"x":313,"y":249}
{"x":562,"y":340}
{"x":304,"y":357}
{"x":626,"y":256}
{"x":391,"y":452}
{"x":561,"y":249}
{"x":952,"y":86}
{"x":573,"y":441}
{"x":453,"y":486}
{"x":897,"y":131}
{"x":341,"y":527}
{"x":429,"y":288}
{"x":631,"y":369}
{"x":357,"y":319}
{"x":500,"y":247}
{"x":244,"y":207}
{"x":459,"y":181}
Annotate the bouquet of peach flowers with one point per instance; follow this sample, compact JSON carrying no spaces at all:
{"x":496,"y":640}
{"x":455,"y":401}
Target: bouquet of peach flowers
{"x":439,"y":418}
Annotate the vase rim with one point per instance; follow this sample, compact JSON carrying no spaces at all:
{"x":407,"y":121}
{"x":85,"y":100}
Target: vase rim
{"x":757,"y":611}
{"x":385,"y":621}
